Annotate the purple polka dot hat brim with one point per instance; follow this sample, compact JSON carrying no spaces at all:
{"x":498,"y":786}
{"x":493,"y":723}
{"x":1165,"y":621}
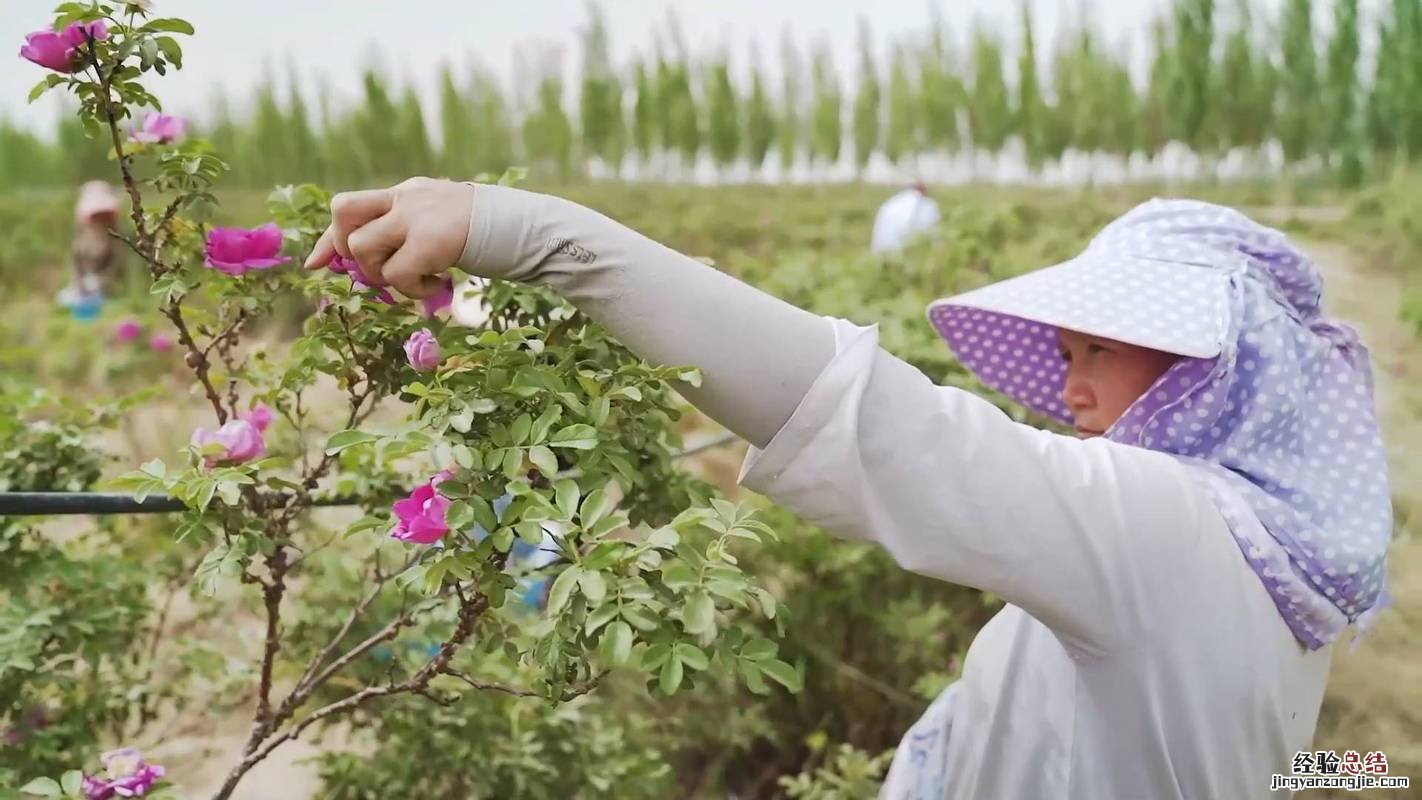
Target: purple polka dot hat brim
{"x":1271,"y":405}
{"x":1006,"y":333}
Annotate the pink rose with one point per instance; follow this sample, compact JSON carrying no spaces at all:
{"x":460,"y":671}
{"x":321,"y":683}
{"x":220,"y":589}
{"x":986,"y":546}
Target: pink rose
{"x":128,"y":330}
{"x":80,"y":32}
{"x":159,"y":343}
{"x":423,"y":350}
{"x":234,"y":251}
{"x":49,"y":50}
{"x":236,"y":442}
{"x":60,"y":51}
{"x":127,"y":775}
{"x":161,"y":129}
{"x":420,"y":518}
{"x":260,"y":417}
{"x":440,"y":300}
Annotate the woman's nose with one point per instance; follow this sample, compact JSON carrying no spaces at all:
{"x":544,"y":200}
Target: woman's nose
{"x":1077,"y":394}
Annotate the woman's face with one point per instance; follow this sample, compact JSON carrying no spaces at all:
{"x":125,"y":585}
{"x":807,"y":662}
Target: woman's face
{"x":1104,"y":377}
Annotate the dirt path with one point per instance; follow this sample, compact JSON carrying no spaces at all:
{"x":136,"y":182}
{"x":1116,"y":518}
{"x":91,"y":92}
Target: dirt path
{"x":1374,"y":699}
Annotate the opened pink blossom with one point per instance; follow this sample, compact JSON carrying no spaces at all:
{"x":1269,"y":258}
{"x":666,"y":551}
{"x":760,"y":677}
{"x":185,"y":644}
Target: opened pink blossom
{"x":236,"y":442}
{"x":260,"y":417}
{"x":77,"y":34}
{"x":423,"y":350}
{"x":126,"y":774}
{"x":49,"y":50}
{"x":234,"y":251}
{"x":161,"y":129}
{"x":420,"y":518}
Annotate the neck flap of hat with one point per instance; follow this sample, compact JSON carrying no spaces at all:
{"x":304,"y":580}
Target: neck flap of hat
{"x":1271,"y":403}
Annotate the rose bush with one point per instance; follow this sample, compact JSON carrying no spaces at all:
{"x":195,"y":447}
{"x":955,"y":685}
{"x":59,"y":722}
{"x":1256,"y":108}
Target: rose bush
{"x":538,"y":407}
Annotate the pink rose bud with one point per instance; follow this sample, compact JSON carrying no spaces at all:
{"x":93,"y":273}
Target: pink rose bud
{"x":49,"y":50}
{"x":161,"y":129}
{"x":420,"y":518}
{"x":236,"y":442}
{"x":128,"y":331}
{"x":260,"y":417}
{"x":440,"y":300}
{"x":159,"y":343}
{"x":234,"y":251}
{"x":423,"y":350}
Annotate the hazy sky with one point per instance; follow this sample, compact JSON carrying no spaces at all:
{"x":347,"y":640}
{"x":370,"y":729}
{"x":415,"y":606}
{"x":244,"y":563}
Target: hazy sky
{"x":330,"y":40}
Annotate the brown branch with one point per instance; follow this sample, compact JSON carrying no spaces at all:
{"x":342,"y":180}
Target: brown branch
{"x":489,"y":687}
{"x":469,"y":613}
{"x":195,"y":358}
{"x":271,"y":597}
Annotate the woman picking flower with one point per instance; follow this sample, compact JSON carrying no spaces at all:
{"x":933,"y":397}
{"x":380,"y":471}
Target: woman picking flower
{"x":1175,"y":574}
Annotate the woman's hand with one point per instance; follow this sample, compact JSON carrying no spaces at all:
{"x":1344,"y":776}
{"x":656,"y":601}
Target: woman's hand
{"x":403,"y":236}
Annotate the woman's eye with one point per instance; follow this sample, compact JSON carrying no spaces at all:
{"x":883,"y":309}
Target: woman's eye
{"x":1093,"y":349}
{"x":1066,"y":355}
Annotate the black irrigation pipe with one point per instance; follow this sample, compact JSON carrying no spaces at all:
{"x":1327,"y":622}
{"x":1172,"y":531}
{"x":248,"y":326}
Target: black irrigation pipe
{"x":30,"y":504}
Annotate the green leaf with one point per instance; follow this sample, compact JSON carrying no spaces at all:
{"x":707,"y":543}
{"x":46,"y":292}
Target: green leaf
{"x":520,"y":428}
{"x":628,"y":393}
{"x":691,"y":655}
{"x":72,"y":781}
{"x":567,"y":493}
{"x":562,"y":588}
{"x":39,"y":89}
{"x":640,"y":618}
{"x":605,"y":526}
{"x":594,"y":586}
{"x":539,"y":432}
{"x":43,"y":787}
{"x":459,"y":515}
{"x":678,"y":577}
{"x":699,"y":615}
{"x":169,"y":25}
{"x":513,"y":175}
{"x":664,"y":538}
{"x":483,"y":405}
{"x":781,"y":673}
{"x":483,"y":513}
{"x":600,"y":617}
{"x":616,"y":643}
{"x":598,"y":411}
{"x":171,"y":50}
{"x":513,"y":461}
{"x":578,"y":437}
{"x":759,"y":649}
{"x":671,"y":675}
{"x":544,"y":459}
{"x":344,"y":439}
{"x":767,"y":602}
{"x":462,"y":421}
{"x":690,"y":376}
{"x":604,"y":555}
{"x":530,"y":532}
{"x":755,"y":679}
{"x":595,"y":506}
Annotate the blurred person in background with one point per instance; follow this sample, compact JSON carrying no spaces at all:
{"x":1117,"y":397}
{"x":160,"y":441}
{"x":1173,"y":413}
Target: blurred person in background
{"x":907,"y":214}
{"x":94,"y":255}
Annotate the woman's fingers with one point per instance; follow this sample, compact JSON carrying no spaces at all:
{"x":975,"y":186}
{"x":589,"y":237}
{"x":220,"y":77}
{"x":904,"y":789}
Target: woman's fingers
{"x":323,"y":251}
{"x":407,"y":269}
{"x":373,"y":243}
{"x":349,"y":211}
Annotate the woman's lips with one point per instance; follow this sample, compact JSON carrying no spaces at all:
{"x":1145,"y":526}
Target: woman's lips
{"x":1087,"y":433}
